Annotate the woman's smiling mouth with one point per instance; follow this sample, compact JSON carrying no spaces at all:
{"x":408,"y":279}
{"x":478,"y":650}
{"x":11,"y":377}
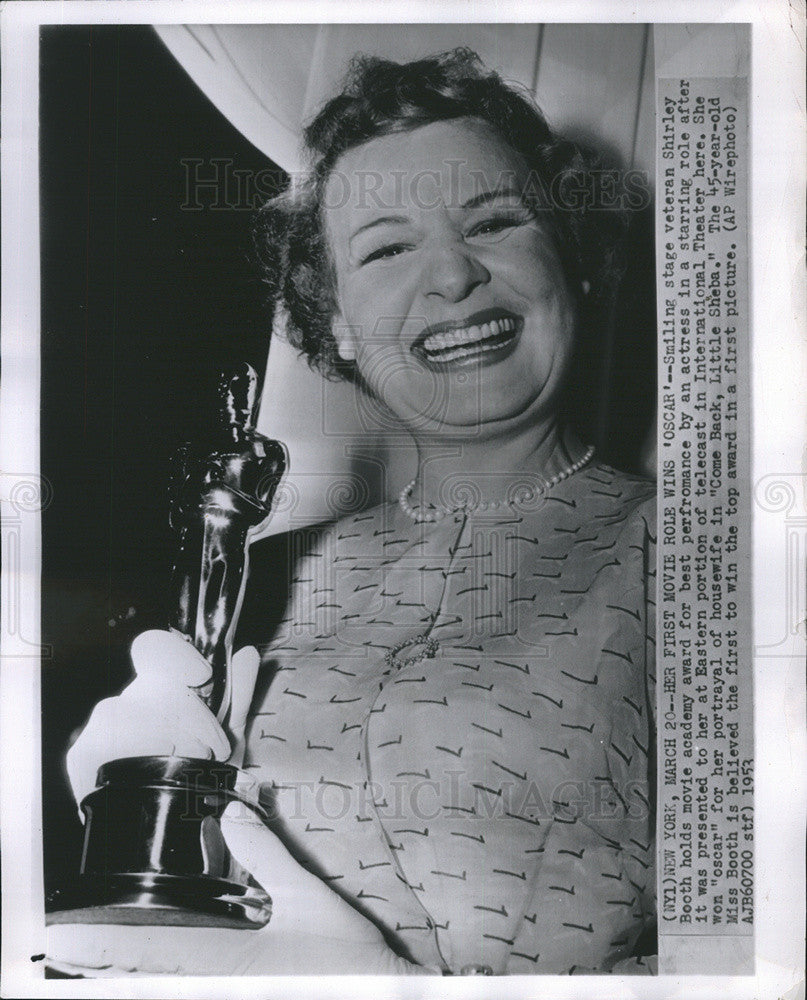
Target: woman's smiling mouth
{"x":484,"y":337}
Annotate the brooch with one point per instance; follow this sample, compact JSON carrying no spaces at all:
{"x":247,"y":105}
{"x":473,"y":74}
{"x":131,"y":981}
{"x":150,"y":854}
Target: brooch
{"x":428,"y":651}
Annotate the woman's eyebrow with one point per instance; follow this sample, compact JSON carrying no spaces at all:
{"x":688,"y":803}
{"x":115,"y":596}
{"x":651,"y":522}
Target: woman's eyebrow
{"x":484,"y":197}
{"x":382,"y":220}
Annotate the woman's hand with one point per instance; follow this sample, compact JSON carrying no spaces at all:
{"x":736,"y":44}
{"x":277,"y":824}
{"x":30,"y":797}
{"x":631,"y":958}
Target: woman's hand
{"x":313,"y":931}
{"x":161,"y":713}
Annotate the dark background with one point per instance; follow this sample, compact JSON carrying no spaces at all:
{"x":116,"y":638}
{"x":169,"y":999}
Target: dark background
{"x":144,"y":300}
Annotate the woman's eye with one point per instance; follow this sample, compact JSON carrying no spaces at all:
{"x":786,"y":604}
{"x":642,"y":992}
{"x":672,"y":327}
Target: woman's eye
{"x":499,"y":224}
{"x":384,"y":253}
{"x":495,"y":226}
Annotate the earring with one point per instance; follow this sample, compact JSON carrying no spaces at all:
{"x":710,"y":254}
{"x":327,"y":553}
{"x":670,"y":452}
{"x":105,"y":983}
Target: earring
{"x":586,"y":286}
{"x":346,"y":350}
{"x":345,"y":339}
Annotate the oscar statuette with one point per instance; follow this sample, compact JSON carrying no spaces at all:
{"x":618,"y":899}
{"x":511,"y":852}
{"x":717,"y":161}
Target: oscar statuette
{"x":153,"y":851}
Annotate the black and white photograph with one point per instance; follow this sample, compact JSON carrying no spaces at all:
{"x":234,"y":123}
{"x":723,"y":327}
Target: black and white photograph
{"x":382,"y":575}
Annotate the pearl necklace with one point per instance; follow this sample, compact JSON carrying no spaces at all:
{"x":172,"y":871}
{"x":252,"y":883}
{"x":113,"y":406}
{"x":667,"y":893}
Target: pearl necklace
{"x":438,"y":513}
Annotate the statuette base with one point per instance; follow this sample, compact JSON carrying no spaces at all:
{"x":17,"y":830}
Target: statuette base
{"x":154,"y":852}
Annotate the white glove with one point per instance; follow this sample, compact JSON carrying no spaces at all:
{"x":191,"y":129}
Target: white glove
{"x":313,"y":931}
{"x":160,"y":712}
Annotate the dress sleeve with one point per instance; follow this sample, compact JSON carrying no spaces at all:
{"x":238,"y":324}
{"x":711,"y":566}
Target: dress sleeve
{"x":640,"y":848}
{"x":640,"y":855}
{"x":642,"y":870}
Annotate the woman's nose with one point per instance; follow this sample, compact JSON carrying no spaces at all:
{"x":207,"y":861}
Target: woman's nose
{"x":452,"y":273}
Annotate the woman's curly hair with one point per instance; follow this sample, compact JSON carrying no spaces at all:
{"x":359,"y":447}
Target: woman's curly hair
{"x":380,"y":97}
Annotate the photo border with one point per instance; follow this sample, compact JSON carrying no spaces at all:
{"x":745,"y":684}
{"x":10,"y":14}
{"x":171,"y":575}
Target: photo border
{"x":778,"y":391}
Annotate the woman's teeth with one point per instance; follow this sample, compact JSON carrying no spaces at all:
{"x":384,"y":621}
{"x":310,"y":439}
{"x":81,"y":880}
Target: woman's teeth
{"x":469,"y":340}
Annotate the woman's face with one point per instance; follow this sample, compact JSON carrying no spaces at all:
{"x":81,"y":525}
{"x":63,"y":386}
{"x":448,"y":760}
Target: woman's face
{"x":451,"y":297}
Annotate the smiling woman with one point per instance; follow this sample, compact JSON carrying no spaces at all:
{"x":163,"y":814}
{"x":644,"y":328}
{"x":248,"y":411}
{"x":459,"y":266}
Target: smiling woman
{"x":452,"y":725}
{"x":463,"y":289}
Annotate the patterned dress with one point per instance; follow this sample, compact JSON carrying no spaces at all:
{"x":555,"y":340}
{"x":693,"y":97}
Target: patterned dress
{"x":454,"y":722}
